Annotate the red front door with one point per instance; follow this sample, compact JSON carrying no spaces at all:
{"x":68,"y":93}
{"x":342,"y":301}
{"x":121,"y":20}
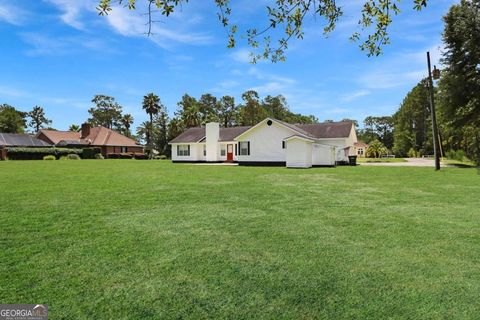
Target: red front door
{"x":229,"y":152}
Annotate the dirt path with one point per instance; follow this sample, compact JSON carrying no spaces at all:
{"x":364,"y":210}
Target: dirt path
{"x":411,"y":162}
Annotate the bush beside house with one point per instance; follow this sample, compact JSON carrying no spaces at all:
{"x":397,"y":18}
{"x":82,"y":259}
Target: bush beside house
{"x":39,"y":153}
{"x":91,"y":153}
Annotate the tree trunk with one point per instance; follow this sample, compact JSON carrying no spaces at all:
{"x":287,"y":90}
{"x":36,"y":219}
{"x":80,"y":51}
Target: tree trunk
{"x":150,"y":138}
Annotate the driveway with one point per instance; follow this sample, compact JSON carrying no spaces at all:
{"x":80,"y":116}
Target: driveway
{"x":411,"y":162}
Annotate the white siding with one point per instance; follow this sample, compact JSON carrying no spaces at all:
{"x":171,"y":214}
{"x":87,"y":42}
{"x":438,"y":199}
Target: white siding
{"x":323,"y":155}
{"x":339,"y":144}
{"x":299,"y":153}
{"x":266,"y":143}
{"x":196,"y":152}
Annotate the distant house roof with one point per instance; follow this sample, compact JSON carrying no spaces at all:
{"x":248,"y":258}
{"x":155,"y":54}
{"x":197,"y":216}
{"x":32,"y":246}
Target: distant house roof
{"x":327,"y":130}
{"x":21,"y":140}
{"x":99,"y":136}
{"x":56,"y":136}
{"x":360,"y":144}
{"x":198,"y":134}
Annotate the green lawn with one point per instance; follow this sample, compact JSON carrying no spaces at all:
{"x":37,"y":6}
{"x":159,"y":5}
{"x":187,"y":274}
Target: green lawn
{"x":364,"y":160}
{"x":130,"y":239}
{"x":465,"y":163}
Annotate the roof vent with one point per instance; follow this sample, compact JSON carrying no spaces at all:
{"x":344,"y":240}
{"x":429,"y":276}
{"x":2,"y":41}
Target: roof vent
{"x":269,"y":122}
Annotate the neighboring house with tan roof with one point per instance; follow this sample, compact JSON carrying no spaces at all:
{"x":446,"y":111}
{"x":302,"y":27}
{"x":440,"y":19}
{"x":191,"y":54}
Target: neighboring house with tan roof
{"x":270,"y":142}
{"x":109,"y":141}
{"x":361,"y":149}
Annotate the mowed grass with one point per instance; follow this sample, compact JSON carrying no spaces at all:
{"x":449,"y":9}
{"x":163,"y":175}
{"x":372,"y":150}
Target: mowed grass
{"x":121,"y":239}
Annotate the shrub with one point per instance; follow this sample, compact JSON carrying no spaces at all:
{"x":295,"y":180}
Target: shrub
{"x":162,"y":157}
{"x":38,"y":153}
{"x":376,"y":149}
{"x":99,"y":156}
{"x":73,"y":156}
{"x":66,"y":151}
{"x":412,"y":153}
{"x":141,"y":156}
{"x":49,"y":157}
{"x":456,"y":155}
{"x":120,"y":156}
{"x":90,"y":153}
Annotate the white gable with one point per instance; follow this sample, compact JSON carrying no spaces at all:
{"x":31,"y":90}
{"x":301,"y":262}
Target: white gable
{"x":266,"y":142}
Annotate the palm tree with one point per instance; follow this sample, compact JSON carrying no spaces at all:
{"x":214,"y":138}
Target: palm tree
{"x":144,"y":130}
{"x":376,"y":149}
{"x":151,"y":105}
{"x":127,"y":121}
{"x":191,"y":117}
{"x":175,"y":128}
{"x":74,"y":128}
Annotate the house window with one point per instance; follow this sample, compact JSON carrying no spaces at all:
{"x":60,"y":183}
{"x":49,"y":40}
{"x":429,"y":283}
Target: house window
{"x":183,"y":150}
{"x":123,"y":149}
{"x":283,"y":144}
{"x":360,"y":152}
{"x":244,"y":148}
{"x":223,"y":151}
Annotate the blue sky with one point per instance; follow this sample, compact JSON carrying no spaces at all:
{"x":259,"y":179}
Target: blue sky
{"x":60,"y":53}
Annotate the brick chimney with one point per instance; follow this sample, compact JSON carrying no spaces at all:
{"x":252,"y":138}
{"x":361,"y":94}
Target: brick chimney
{"x":85,"y":130}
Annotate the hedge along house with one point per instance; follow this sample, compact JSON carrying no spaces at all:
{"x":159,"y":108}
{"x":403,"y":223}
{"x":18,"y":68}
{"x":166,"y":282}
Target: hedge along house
{"x":12,"y":140}
{"x":270,"y":142}
{"x":109,"y":141}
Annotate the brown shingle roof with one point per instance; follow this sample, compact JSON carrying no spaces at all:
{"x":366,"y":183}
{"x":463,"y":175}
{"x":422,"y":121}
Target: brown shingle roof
{"x":228,"y":134}
{"x":99,"y":136}
{"x":198,"y":134}
{"x":190,"y":135}
{"x":296,"y":128}
{"x":316,"y":131}
{"x":328,"y":130}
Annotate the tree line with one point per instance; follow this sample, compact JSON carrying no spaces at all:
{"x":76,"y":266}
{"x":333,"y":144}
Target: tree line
{"x":408,"y":132}
{"x":160,"y":128}
{"x":457,"y":96}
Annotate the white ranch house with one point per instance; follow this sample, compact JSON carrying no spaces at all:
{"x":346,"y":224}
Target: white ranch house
{"x":270,"y":142}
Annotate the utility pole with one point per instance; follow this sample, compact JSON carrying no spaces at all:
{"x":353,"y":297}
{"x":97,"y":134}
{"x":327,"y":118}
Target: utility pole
{"x":436,"y":146}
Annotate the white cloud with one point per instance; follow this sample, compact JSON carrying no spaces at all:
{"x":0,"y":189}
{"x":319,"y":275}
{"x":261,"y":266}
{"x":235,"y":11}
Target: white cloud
{"x":241,"y":55}
{"x":12,"y":14}
{"x":351,"y":96}
{"x":272,"y":84}
{"x":382,"y":79}
{"x":12,"y":92}
{"x":72,"y":11}
{"x":43,"y":44}
{"x":402,"y":69}
{"x":130,"y":23}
